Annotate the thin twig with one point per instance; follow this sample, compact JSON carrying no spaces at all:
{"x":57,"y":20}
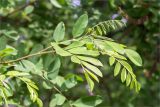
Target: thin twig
{"x":46,"y":49}
{"x":27,"y":56}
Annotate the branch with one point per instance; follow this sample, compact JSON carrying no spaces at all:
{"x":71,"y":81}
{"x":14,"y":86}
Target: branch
{"x":42,"y":52}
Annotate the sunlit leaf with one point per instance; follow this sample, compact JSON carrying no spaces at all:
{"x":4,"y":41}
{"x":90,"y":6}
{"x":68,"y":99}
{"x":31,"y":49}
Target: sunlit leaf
{"x":123,"y":75}
{"x":134,"y":57}
{"x":111,"y":61}
{"x":92,"y":68}
{"x":128,"y":79}
{"x":80,"y":25}
{"x":91,"y":60}
{"x":117,"y":47}
{"x":89,"y":81}
{"x":92,"y":75}
{"x":117,"y":69}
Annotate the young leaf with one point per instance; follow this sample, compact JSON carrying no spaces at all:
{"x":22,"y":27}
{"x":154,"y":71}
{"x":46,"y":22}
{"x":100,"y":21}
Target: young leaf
{"x":134,"y":57}
{"x":123,"y":75}
{"x":99,"y":30}
{"x":89,"y":81}
{"x":80,"y":25}
{"x":92,"y":75}
{"x":127,"y":66}
{"x":116,"y":55}
{"x":91,"y":60}
{"x":128,"y":79}
{"x":111,"y":60}
{"x":60,"y":51}
{"x":108,"y":26}
{"x":132,"y":85}
{"x":59,"y":32}
{"x":92,"y":68}
{"x":117,"y":69}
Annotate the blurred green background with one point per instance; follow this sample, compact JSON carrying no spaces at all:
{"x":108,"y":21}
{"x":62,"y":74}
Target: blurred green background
{"x":29,"y":23}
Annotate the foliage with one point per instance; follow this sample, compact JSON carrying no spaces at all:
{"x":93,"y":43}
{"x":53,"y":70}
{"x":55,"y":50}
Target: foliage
{"x":40,"y":66}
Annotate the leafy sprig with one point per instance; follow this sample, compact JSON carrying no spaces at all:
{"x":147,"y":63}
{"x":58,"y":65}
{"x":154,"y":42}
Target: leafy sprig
{"x":83,"y":49}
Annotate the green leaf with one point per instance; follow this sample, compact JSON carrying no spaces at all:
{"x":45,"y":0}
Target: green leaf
{"x":27,"y":66}
{"x":137,"y":86}
{"x":92,"y":68}
{"x":2,"y":77}
{"x":59,"y":32}
{"x":55,"y":3}
{"x":60,"y":51}
{"x":134,"y":57}
{"x":103,"y":45}
{"x":39,"y":102}
{"x":92,"y":75}
{"x":55,"y":69}
{"x":75,"y":59}
{"x":117,"y":68}
{"x":3,"y":94}
{"x":74,"y":45}
{"x":70,"y":82}
{"x":99,"y":30}
{"x":29,"y":9}
{"x":123,"y":75}
{"x":80,"y":25}
{"x":107,"y":26}
{"x":128,"y":67}
{"x":128,"y":79}
{"x":17,"y":73}
{"x":111,"y":60}
{"x":8,"y":51}
{"x":91,"y":101}
{"x":83,"y":51}
{"x":33,"y":93}
{"x":117,"y":47}
{"x":89,"y":81}
{"x":114,"y":54}
{"x":132,"y":85}
{"x":91,"y":60}
{"x":57,"y":99}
